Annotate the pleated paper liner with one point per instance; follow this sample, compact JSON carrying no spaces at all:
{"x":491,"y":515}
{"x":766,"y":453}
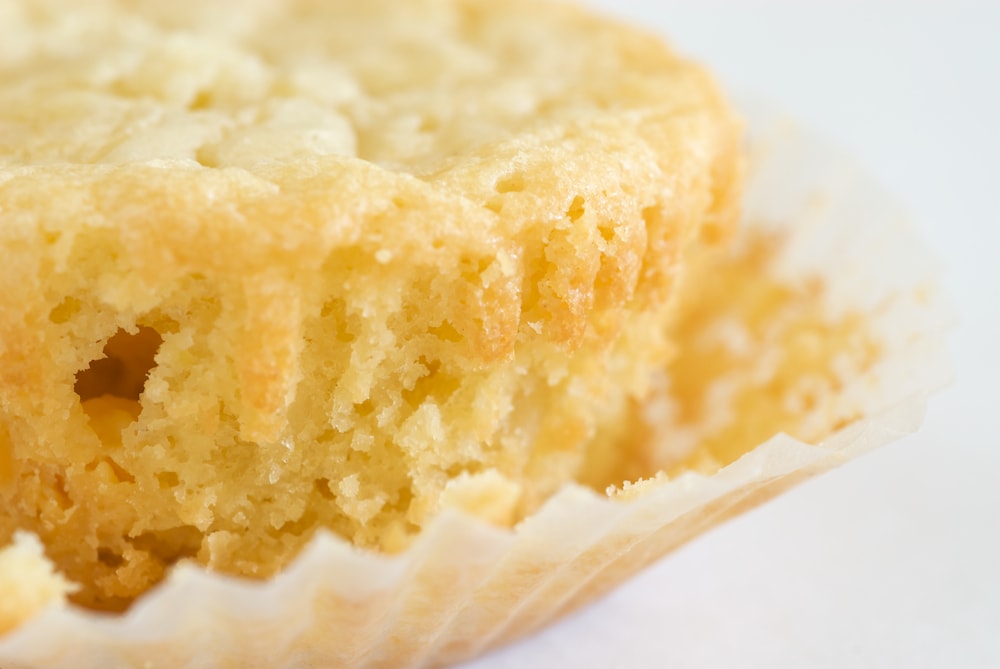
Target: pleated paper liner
{"x":465,"y":587}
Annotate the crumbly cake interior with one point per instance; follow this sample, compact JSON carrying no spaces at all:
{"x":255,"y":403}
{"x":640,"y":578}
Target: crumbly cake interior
{"x":761,"y":357}
{"x":28,"y":581}
{"x":272,"y":266}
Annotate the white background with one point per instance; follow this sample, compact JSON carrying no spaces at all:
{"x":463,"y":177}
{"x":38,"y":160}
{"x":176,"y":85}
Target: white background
{"x":893,"y":560}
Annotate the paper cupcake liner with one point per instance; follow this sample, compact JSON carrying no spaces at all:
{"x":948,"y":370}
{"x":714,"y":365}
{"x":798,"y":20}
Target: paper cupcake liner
{"x":465,"y":587}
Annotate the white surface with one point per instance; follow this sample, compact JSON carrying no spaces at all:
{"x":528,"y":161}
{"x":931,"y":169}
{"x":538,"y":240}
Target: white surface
{"x":893,"y":560}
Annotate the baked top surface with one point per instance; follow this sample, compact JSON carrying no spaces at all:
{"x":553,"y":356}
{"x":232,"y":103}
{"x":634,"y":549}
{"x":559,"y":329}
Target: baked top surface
{"x":402,"y":85}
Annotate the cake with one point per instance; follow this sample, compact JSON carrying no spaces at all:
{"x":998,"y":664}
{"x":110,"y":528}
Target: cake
{"x":277,"y":266}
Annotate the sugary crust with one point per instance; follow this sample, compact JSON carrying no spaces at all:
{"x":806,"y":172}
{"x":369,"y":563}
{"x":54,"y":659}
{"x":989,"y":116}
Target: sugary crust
{"x":377,"y":248}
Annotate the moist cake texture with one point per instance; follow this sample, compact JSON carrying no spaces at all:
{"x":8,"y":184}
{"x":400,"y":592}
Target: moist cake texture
{"x":276,"y":266}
